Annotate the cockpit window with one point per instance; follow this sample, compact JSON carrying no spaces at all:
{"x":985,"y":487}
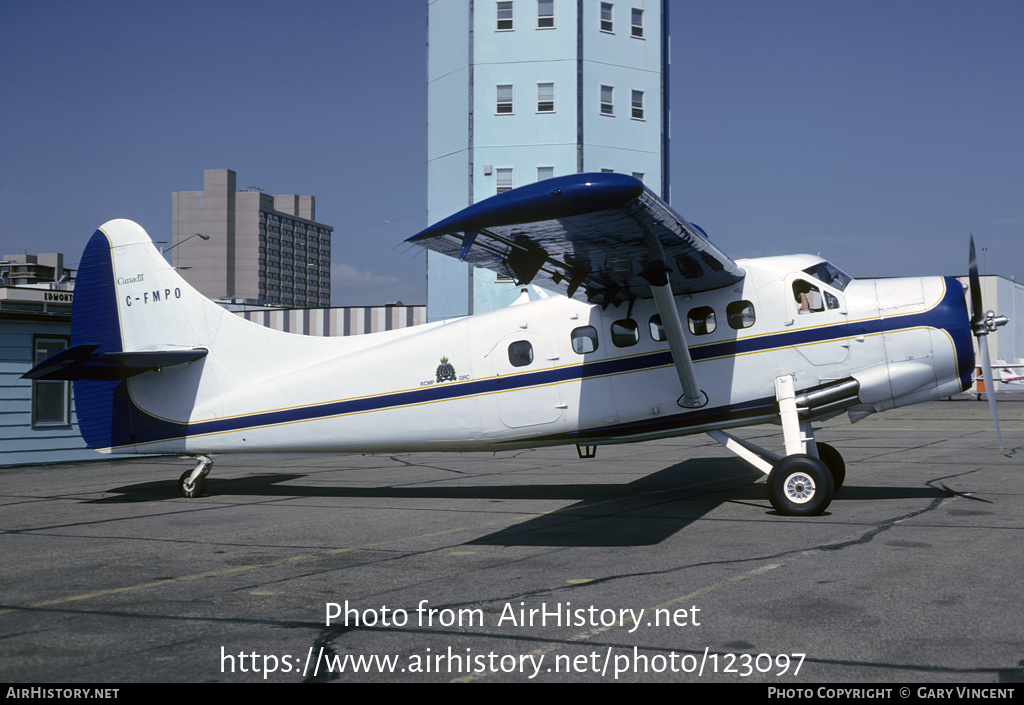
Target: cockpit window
{"x":808,"y":297}
{"x":830,"y":274}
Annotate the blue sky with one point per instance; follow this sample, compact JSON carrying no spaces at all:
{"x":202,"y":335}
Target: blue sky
{"x":878,"y":133}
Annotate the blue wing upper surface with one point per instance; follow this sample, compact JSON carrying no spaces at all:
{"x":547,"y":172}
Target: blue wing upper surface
{"x":590,"y":236}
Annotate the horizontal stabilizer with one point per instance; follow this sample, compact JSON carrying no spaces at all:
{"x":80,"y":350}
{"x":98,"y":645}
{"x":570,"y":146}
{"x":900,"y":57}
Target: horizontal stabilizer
{"x":83,"y":362}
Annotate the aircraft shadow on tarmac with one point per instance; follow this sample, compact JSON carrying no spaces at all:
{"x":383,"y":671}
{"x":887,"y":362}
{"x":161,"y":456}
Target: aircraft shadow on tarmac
{"x":643,"y":512}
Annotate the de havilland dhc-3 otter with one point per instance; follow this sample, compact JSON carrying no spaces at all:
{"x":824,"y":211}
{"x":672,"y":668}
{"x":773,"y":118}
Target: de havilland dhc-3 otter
{"x":658,"y":334}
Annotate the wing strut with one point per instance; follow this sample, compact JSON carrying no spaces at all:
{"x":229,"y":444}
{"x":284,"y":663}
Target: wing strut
{"x":656,"y":274}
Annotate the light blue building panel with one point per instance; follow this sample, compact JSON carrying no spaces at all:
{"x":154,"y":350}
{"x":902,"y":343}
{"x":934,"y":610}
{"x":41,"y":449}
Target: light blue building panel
{"x":524,"y":90}
{"x":37,"y":419}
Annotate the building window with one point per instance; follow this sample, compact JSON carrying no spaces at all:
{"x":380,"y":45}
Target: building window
{"x":504,"y":180}
{"x":638,"y":105}
{"x":584,"y":340}
{"x":51,"y":399}
{"x":638,"y":23}
{"x":504,"y":105}
{"x":545,"y":97}
{"x":545,"y":172}
{"x":607,"y":100}
{"x":545,"y":14}
{"x":607,"y":25}
{"x":505,"y":16}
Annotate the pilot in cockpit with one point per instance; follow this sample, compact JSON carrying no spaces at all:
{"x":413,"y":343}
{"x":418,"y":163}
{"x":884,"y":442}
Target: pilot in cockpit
{"x":802,"y":294}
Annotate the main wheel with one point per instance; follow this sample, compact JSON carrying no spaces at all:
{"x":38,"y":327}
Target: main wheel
{"x":835,"y":464}
{"x":800,"y":485}
{"x":195,"y":489}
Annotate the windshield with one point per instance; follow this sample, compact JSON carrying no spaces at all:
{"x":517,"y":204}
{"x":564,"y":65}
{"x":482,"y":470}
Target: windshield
{"x":830,"y":274}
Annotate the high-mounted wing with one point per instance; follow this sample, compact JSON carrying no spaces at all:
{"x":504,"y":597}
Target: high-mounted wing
{"x":597,"y":237}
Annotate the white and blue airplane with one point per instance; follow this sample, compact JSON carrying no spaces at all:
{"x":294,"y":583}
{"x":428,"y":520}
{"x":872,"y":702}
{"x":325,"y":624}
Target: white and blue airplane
{"x":658,"y":334}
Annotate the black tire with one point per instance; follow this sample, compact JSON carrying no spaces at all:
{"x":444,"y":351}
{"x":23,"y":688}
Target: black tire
{"x":198,"y":487}
{"x":800,"y":485}
{"x":835,"y":464}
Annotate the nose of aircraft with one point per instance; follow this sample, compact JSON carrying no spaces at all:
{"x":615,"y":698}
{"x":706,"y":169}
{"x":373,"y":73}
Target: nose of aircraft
{"x":952,"y":317}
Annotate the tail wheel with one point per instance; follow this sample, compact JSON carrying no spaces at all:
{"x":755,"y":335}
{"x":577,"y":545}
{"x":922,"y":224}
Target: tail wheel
{"x":195,"y":489}
{"x":835,"y":464}
{"x":800,"y":485}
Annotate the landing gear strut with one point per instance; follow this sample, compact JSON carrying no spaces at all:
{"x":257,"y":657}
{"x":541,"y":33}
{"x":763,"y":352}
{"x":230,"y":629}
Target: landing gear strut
{"x":192,"y":483}
{"x":802,"y":482}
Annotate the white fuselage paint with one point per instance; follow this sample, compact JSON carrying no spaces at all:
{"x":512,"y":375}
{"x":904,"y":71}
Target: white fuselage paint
{"x":261,"y":390}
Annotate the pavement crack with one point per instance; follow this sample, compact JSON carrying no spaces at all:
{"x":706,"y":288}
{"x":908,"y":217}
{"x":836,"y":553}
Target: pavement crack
{"x":936,"y":484}
{"x":424,"y":466}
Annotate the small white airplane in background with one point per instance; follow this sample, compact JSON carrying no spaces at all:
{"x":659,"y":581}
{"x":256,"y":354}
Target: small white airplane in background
{"x":1011,"y":373}
{"x":660,"y":334}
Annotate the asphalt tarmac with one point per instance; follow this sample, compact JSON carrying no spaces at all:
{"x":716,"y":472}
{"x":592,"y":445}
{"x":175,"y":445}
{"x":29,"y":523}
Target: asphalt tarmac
{"x":659,"y":561}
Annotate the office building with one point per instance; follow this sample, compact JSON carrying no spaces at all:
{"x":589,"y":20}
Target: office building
{"x":26,"y":269}
{"x":524,"y":90}
{"x":262,"y":249}
{"x":340,"y":321}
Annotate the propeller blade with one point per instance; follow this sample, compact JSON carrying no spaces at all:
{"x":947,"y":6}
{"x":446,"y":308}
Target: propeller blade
{"x":977,"y":310}
{"x":990,"y":391}
{"x":981,"y":334}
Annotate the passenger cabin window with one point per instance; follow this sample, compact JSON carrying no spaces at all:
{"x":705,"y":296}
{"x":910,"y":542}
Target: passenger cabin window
{"x":584,"y":340}
{"x":740,"y":314}
{"x":657,"y":330}
{"x":625,"y":333}
{"x":702,"y":320}
{"x":520,"y":353}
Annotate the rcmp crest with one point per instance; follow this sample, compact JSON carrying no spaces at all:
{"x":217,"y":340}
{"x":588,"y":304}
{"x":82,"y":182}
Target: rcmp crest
{"x":445,"y":371}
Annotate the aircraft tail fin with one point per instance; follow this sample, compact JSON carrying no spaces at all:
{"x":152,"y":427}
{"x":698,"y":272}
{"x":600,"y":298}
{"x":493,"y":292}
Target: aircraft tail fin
{"x":131,"y":314}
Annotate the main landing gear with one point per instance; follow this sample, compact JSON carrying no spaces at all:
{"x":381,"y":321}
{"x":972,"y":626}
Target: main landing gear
{"x":802,"y":482}
{"x":800,"y":485}
{"x":192,"y":483}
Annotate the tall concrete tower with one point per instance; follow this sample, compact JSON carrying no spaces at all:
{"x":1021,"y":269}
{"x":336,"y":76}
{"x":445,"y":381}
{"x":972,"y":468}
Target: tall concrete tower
{"x":525,"y":90}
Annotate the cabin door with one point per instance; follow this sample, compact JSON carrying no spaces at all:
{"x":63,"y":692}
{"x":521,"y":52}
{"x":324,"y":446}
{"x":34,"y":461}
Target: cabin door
{"x":524,"y":380}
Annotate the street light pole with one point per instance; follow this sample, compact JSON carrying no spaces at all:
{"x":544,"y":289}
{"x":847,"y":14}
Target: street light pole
{"x":164,"y":250}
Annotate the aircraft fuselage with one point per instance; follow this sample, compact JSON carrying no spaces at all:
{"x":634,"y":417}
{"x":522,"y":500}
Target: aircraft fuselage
{"x":558,"y":371}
